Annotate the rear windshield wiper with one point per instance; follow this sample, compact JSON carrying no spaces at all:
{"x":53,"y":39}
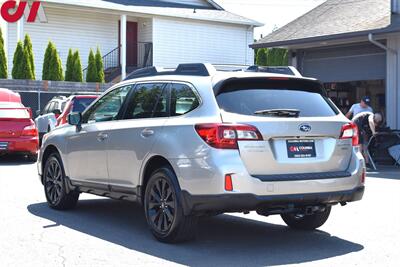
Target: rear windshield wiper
{"x":279,"y":112}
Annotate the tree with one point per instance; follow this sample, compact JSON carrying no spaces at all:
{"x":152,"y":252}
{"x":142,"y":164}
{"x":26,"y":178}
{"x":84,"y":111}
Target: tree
{"x":77,"y":75}
{"x":99,"y":66}
{"x":56,"y":70}
{"x":70,"y":66}
{"x":3,"y":59}
{"x":261,"y":58}
{"x":92,"y":73}
{"x":29,"y":49}
{"x":46,"y":61}
{"x":21,"y":64}
{"x":277,"y":57}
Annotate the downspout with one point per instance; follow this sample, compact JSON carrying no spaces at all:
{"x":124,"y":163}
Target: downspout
{"x":250,"y":28}
{"x":393,"y":51}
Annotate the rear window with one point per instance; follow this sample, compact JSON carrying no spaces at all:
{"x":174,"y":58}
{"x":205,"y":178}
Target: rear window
{"x":80,"y":104}
{"x":14,"y":114}
{"x":247,"y":98}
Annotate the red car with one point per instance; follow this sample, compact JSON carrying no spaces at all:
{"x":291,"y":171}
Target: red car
{"x":18,"y":133}
{"x":9,"y":96}
{"x":75,"y":103}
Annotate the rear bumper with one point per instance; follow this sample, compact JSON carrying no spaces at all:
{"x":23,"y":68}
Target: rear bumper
{"x":20,"y":145}
{"x":194,"y":204}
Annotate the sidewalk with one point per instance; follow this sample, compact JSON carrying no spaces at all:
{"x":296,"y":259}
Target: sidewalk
{"x":386,"y":172}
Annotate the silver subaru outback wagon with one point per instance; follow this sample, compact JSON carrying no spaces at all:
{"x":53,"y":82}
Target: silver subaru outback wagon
{"x":195,"y":142}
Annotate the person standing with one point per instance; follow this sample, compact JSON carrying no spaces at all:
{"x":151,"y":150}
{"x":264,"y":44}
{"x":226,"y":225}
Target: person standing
{"x":367,"y":122}
{"x":363,"y":106}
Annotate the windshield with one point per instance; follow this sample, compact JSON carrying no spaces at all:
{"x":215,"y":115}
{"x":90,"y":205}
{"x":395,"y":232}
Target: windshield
{"x":275,"y":97}
{"x":80,"y":104}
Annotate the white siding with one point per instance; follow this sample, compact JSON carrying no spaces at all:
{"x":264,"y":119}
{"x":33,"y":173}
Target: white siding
{"x":181,"y":41}
{"x":68,"y":29}
{"x":145,"y":30}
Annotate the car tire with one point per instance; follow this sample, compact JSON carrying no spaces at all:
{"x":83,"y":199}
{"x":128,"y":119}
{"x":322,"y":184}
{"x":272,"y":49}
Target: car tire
{"x":306,"y":222}
{"x":55,"y":185}
{"x":164,"y":210}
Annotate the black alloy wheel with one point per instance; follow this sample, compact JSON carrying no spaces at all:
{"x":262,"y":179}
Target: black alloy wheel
{"x":161,"y":205}
{"x":53,"y":181}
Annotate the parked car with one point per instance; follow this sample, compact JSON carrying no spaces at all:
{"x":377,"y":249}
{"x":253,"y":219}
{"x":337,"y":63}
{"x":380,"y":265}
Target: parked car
{"x":47,"y":118}
{"x":75,"y":103}
{"x":197,"y":141}
{"x":18,"y":133}
{"x":7,"y":95}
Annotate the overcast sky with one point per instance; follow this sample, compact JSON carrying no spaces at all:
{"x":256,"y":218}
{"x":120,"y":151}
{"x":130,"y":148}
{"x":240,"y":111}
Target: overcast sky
{"x":273,"y":13}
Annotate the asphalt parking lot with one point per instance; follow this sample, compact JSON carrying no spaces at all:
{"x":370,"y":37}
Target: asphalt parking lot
{"x":102,"y":232}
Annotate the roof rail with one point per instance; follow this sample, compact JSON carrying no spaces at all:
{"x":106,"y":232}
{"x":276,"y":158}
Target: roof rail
{"x":192,"y":69}
{"x":287,"y":70}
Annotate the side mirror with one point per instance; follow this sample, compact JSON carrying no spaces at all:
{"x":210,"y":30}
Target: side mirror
{"x":57,"y":112}
{"x":75,"y":118}
{"x":38,"y":113}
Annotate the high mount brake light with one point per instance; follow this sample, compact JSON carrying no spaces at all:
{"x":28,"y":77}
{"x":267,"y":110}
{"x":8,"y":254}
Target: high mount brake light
{"x":226,"y":136}
{"x":350,"y":131}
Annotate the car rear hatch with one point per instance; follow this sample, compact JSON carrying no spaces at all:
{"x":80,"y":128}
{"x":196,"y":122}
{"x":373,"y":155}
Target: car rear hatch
{"x":300,"y":127}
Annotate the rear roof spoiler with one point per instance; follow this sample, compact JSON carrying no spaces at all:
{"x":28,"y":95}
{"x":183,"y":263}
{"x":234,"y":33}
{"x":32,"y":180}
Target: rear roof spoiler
{"x":206,"y":70}
{"x":287,"y":70}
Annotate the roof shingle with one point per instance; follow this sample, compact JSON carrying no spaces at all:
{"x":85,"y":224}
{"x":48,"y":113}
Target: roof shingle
{"x":333,"y":17}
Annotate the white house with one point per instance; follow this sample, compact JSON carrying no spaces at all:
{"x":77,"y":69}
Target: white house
{"x":137,"y":33}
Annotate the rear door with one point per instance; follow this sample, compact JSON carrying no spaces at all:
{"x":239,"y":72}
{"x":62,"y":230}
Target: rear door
{"x":132,"y":138}
{"x":300,"y":126}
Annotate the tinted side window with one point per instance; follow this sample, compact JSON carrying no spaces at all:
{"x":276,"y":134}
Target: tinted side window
{"x":148,"y":101}
{"x":107,"y":107}
{"x":183,"y":99}
{"x":46,"y":108}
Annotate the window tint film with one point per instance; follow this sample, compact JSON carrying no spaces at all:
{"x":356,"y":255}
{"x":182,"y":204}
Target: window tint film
{"x":148,"y":101}
{"x":183,"y":99}
{"x":108,"y":107}
{"x":248,"y":98}
{"x":80,"y":104}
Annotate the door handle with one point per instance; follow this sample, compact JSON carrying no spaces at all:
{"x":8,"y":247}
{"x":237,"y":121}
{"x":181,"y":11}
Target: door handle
{"x":102,"y":137}
{"x":147,"y":133}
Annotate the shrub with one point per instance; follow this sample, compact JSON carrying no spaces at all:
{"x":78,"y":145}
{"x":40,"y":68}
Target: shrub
{"x":92,"y":73}
{"x":21,"y":65}
{"x":46,"y":61}
{"x":77,"y":75}
{"x":3,"y":59}
{"x":56,"y":71}
{"x":99,"y":66}
{"x":29,"y":49}
{"x":70,"y":66}
{"x":261,"y":58}
{"x":277,"y":57}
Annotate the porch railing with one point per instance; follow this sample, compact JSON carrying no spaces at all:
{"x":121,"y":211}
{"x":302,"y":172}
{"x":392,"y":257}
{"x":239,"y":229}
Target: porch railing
{"x":139,"y":55}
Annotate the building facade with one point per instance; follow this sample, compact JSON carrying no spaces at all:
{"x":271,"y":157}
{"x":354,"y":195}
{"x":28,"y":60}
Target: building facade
{"x":352,"y":47}
{"x":138,"y":33}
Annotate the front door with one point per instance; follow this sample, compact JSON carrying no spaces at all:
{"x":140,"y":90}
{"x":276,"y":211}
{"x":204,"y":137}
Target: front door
{"x":131,"y":43}
{"x":87,"y":146}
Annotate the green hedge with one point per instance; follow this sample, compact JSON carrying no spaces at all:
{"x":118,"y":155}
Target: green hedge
{"x":3,"y":59}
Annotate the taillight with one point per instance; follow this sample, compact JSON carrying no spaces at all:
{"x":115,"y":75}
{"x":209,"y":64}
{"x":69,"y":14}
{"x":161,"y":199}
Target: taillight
{"x":350,"y":131}
{"x":30,"y":130}
{"x":226,"y":136}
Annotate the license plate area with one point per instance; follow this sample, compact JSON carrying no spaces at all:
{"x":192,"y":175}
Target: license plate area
{"x":3,"y":146}
{"x":300,"y":149}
